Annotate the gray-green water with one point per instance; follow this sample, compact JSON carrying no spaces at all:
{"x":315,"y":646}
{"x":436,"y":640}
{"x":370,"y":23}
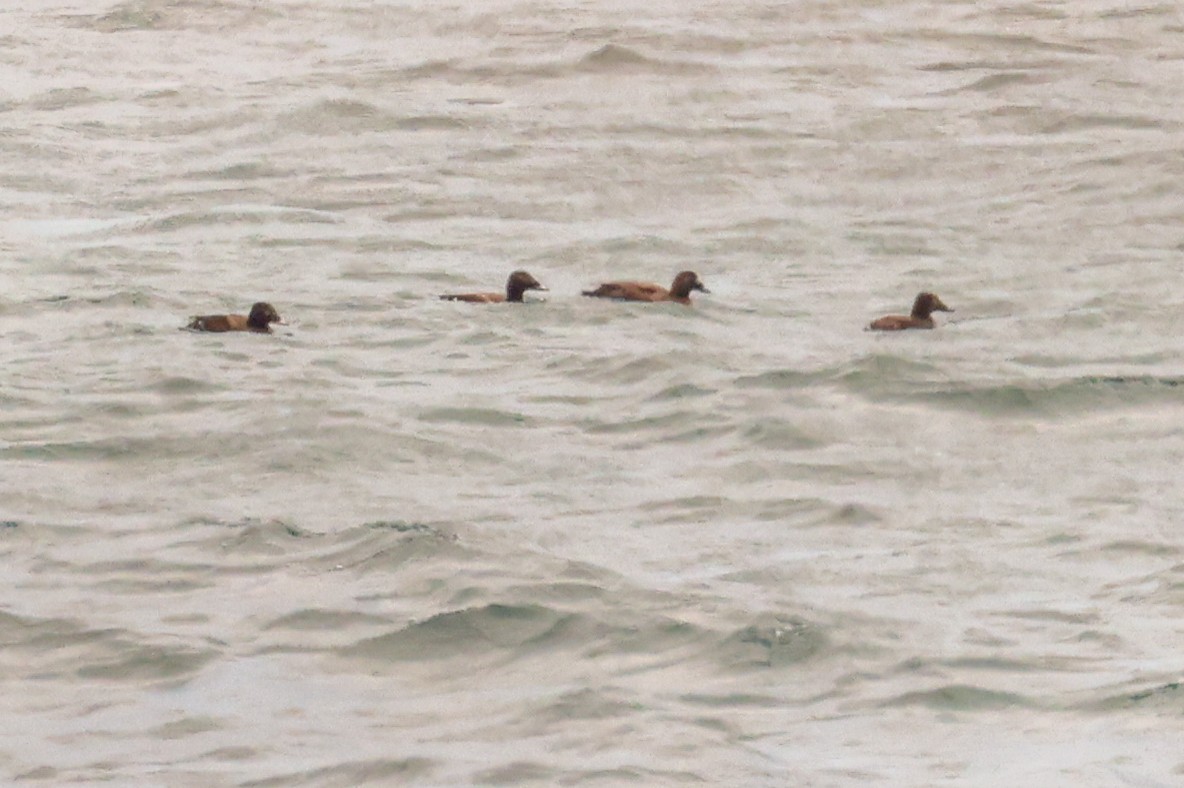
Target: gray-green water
{"x":404,"y":541}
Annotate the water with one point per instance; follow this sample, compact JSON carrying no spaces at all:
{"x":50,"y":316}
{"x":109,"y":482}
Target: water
{"x":404,"y":541}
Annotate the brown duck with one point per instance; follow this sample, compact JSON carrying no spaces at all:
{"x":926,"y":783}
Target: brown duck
{"x":679,"y":292}
{"x":262,"y":315}
{"x":518,"y":283}
{"x":923,"y":307}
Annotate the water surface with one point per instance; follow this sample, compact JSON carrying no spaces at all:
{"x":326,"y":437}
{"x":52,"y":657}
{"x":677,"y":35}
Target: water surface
{"x":406,"y":541}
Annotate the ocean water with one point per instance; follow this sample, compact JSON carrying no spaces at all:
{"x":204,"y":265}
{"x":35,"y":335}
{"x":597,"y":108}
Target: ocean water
{"x":573,"y":542}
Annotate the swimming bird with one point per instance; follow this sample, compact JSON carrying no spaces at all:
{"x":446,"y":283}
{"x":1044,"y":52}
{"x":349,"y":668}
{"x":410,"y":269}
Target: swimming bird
{"x":518,"y":283}
{"x":679,"y":292}
{"x":923,"y":307}
{"x":262,"y":315}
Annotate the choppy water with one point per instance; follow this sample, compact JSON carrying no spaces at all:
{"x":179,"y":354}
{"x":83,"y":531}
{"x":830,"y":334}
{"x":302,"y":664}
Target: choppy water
{"x":405,"y":541}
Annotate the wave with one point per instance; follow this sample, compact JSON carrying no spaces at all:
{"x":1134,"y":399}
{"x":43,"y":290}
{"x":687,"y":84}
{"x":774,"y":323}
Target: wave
{"x":1167,"y":695}
{"x":597,"y":623}
{"x":54,"y":648}
{"x":261,"y":545}
{"x":471,"y":631}
{"x":772,"y":641}
{"x":231,"y":215}
{"x":485,"y":417}
{"x":379,"y":771}
{"x":960,"y":697}
{"x":457,"y":72}
{"x":614,"y":58}
{"x":888,"y":378}
{"x":330,"y":117}
{"x":1157,"y":696}
{"x":62,"y":98}
{"x":209,"y":15}
{"x":609,"y":59}
{"x":1085,"y":393}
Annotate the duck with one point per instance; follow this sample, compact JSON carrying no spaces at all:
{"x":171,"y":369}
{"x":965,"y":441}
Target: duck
{"x":924,"y":305}
{"x":518,"y":283}
{"x":260,"y":320}
{"x":679,"y":292}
